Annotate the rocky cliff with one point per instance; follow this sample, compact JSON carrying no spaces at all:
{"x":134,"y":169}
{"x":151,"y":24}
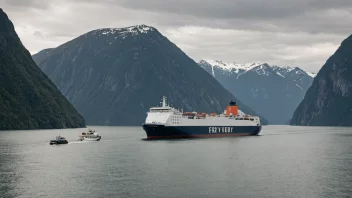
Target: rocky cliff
{"x":328,"y":101}
{"x":28,"y":98}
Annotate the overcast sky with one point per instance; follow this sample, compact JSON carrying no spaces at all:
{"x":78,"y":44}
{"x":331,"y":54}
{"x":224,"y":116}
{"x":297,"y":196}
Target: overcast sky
{"x":300,"y":33}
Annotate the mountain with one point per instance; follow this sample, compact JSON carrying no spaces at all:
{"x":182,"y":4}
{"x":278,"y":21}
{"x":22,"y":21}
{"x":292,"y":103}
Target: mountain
{"x":272,"y":91}
{"x":42,"y":55}
{"x":114,"y":75}
{"x":328,"y":101}
{"x":28,"y":99}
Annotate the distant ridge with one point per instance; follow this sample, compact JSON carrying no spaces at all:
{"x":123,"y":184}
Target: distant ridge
{"x":240,"y":67}
{"x":272,"y":91}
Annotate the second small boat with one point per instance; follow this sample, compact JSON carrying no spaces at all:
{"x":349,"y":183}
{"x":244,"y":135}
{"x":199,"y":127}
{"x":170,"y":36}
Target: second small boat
{"x":89,"y":136}
{"x":58,"y":140}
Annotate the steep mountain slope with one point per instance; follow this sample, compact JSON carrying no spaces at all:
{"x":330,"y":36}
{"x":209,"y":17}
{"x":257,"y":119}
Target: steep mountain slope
{"x":272,"y":91}
{"x":28,"y":99}
{"x":42,"y":55}
{"x":113,"y":76}
{"x":328,"y":101}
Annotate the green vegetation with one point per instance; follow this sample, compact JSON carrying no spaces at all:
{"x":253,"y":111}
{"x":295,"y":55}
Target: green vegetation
{"x":28,"y":99}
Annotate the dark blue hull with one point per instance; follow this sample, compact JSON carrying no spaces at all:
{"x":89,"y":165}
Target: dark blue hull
{"x":165,"y":132}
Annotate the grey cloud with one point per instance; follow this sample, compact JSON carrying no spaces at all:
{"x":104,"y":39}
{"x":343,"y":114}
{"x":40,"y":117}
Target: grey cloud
{"x":19,"y":5}
{"x":294,"y":32}
{"x":250,"y":9}
{"x":244,"y":46}
{"x":257,"y":15}
{"x":268,"y":15}
{"x":38,"y":34}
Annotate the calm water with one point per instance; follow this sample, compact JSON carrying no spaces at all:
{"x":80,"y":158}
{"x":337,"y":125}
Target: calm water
{"x":283,"y":161}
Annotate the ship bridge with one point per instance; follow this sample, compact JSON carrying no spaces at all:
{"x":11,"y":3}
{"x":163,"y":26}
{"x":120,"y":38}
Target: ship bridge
{"x":164,"y":107}
{"x":161,"y":114}
{"x":161,"y":109}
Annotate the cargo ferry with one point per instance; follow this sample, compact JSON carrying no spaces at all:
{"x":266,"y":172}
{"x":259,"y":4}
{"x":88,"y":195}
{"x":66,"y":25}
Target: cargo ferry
{"x":164,"y":122}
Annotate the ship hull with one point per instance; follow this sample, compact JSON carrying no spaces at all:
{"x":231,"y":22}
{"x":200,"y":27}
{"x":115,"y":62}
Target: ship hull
{"x":155,"y":131}
{"x":89,"y":138}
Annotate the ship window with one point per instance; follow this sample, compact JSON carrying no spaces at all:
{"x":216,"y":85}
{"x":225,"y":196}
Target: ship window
{"x":252,"y":119}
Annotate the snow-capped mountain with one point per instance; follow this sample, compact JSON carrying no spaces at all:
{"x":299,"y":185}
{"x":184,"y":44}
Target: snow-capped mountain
{"x":260,"y":68}
{"x":230,"y":67}
{"x":114,"y":75}
{"x":272,"y":91}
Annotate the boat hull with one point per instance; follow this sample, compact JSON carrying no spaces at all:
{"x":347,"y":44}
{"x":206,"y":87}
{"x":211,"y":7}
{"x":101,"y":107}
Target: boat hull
{"x":155,"y":131}
{"x":58,"y":142}
{"x":90,"y":139}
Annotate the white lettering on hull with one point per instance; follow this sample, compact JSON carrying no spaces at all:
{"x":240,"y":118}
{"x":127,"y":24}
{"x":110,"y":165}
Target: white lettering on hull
{"x":220,"y":129}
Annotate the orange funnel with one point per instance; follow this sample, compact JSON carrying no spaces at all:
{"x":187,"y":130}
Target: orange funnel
{"x":232,"y":109}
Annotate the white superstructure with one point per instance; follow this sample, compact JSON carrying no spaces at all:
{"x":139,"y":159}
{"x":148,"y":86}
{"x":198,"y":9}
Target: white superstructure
{"x":169,"y":116}
{"x":89,"y":136}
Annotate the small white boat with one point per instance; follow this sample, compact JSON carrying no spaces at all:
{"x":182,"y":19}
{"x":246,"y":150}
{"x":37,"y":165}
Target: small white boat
{"x":89,"y":136}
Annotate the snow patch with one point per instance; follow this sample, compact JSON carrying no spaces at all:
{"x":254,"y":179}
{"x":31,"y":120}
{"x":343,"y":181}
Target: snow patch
{"x":262,"y":70}
{"x":299,"y":87}
{"x":278,"y":73}
{"x":289,"y":69}
{"x":235,"y":67}
{"x":212,"y":70}
{"x":311,"y":74}
{"x":132,"y":30}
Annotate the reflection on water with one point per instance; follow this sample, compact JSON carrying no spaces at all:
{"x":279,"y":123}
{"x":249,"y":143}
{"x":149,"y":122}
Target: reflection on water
{"x":7,"y":176}
{"x":283,"y":161}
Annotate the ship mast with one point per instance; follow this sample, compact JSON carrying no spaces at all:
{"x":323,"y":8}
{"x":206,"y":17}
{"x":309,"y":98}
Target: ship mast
{"x":164,"y":101}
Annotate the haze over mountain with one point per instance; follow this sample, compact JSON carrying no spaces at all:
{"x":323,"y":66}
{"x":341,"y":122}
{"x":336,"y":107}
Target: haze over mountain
{"x":28,"y":98}
{"x":272,"y":91}
{"x":328,"y":101}
{"x":114,"y":75}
